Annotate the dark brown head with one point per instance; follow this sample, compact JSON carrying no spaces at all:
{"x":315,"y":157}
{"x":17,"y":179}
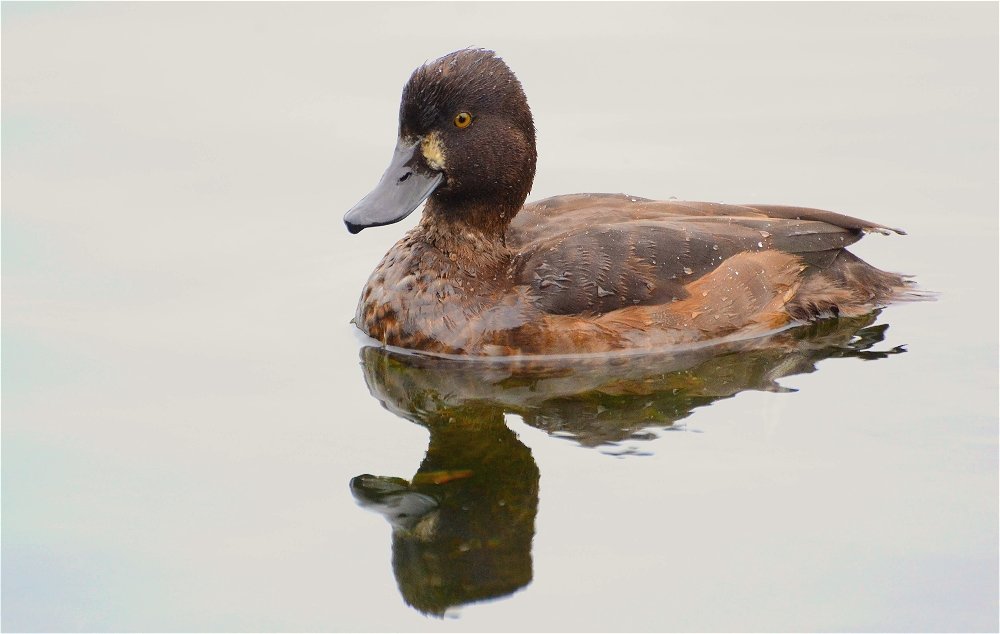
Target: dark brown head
{"x":466,"y":143}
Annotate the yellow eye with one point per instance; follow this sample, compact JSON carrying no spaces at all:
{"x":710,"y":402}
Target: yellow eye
{"x":463,"y":119}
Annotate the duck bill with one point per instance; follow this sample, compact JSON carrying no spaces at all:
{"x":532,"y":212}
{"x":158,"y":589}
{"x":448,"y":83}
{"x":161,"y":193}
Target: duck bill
{"x":407,"y":183}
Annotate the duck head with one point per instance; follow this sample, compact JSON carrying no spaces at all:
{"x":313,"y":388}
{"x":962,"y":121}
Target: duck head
{"x":466,"y":145}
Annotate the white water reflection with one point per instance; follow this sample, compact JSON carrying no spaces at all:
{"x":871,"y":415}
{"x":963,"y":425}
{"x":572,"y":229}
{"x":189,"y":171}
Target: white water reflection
{"x":183,"y":404}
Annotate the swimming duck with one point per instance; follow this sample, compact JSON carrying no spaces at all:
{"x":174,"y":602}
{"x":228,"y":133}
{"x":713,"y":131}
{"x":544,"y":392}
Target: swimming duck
{"x":483,"y":273}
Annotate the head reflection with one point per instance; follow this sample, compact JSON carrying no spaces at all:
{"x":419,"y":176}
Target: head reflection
{"x":463,"y":524}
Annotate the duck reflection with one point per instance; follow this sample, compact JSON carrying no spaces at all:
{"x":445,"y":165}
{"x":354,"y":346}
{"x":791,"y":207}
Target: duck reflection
{"x":463,"y":525}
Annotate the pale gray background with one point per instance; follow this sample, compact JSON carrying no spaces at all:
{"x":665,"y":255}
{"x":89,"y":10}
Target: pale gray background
{"x":183,"y":406}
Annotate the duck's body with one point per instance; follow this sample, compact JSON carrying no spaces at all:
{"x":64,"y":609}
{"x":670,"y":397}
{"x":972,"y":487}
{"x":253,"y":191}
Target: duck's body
{"x":482,"y":275}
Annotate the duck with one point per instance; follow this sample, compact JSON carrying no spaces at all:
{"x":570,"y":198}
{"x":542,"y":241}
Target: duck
{"x":485,"y":274}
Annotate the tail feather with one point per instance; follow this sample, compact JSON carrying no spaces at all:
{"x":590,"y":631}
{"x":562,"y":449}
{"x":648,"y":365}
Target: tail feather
{"x":848,"y":286}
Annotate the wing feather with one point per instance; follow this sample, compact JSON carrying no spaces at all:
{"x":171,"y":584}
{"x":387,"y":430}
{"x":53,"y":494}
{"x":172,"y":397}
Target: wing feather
{"x":594,"y":253}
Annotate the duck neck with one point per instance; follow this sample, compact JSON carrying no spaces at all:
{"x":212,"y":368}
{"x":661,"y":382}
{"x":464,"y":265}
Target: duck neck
{"x":489,"y":219}
{"x":472,"y":238}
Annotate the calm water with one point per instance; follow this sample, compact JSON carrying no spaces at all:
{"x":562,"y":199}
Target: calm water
{"x":195,"y":438}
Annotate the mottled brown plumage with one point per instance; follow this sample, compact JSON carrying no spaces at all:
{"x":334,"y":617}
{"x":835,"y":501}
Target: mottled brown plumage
{"x":585,"y":272}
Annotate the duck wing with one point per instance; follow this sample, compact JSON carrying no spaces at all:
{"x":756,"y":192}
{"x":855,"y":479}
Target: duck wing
{"x":593,"y":253}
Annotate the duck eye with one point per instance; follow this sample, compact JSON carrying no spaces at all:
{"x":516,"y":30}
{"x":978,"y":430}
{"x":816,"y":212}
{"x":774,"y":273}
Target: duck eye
{"x":463,"y":119}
